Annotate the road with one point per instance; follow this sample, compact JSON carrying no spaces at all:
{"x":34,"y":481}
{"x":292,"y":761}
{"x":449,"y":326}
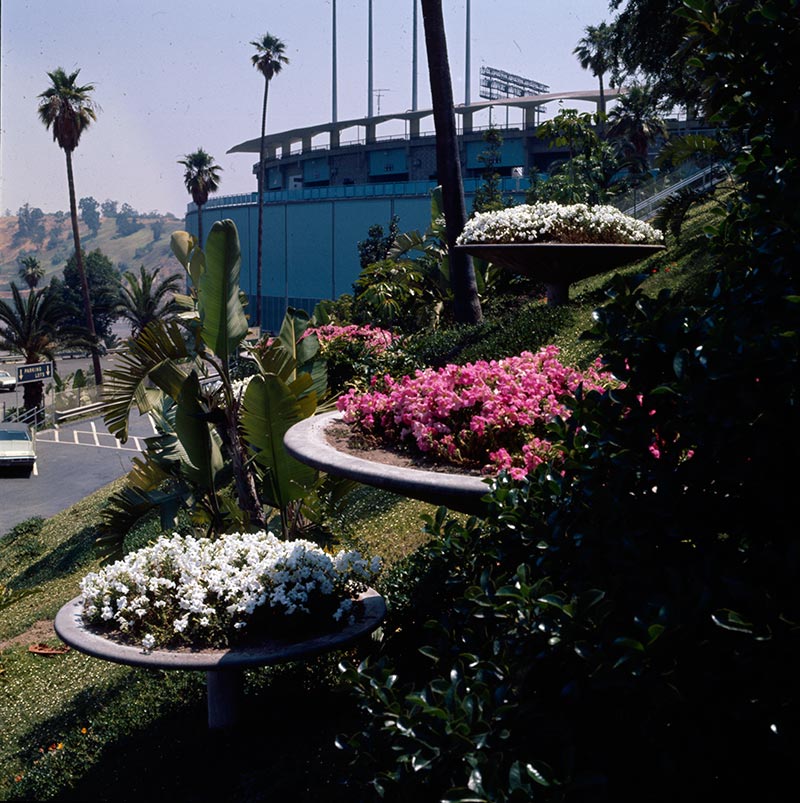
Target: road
{"x":72,"y":462}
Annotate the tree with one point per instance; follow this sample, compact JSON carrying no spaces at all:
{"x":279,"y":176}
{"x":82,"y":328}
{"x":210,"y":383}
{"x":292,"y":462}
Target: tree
{"x":201,"y":178}
{"x":466,"y":305}
{"x":109,"y":208}
{"x":268,"y":59}
{"x":377,"y":245}
{"x":636,"y":121}
{"x":30,"y":271}
{"x":68,"y":110}
{"x":143,"y":298}
{"x":104,"y":290}
{"x":29,"y":326}
{"x":127,"y":221}
{"x":489,"y":196}
{"x":90,"y":214}
{"x":30,"y":224}
{"x":595,"y":53}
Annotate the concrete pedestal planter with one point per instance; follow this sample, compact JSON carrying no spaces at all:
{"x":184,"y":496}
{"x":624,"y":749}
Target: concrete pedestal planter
{"x":557,"y":265}
{"x":307,"y":442}
{"x":224,"y":668}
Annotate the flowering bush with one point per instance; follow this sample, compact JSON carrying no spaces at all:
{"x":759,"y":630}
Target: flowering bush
{"x":551,"y":222}
{"x":490,"y":414}
{"x":187,"y":591}
{"x":373,"y":338}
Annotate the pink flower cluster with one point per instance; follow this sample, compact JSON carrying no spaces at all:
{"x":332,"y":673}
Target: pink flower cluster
{"x":489,"y":414}
{"x":373,"y":337}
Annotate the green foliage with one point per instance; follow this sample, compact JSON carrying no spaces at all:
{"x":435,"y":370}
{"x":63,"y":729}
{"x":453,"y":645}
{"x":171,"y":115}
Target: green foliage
{"x":220,"y":449}
{"x":489,"y":196}
{"x":104,"y":291}
{"x":634,"y":614}
{"x":377,"y":245}
{"x":30,"y":224}
{"x":90,"y":214}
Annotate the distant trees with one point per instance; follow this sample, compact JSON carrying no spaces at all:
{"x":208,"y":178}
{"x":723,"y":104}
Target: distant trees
{"x":201,"y":178}
{"x":489,"y":196}
{"x":30,"y":224}
{"x":377,"y":244}
{"x":109,"y":208}
{"x":269,"y":59}
{"x":30,"y":271}
{"x":90,"y":213}
{"x":127,"y":221}
{"x":67,"y":109}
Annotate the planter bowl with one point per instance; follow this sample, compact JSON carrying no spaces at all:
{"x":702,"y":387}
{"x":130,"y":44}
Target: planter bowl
{"x":307,"y":442}
{"x":557,"y":265}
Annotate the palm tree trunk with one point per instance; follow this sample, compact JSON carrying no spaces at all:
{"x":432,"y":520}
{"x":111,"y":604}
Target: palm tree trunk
{"x":200,"y":225}
{"x":259,"y":246}
{"x":466,"y":305}
{"x":87,"y":303}
{"x":602,"y":123}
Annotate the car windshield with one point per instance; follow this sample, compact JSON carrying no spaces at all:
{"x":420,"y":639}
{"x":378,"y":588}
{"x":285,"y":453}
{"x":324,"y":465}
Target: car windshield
{"x":13,"y":436}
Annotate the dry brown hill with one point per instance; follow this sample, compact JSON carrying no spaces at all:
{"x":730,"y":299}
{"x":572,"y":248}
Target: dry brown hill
{"x":139,"y":248}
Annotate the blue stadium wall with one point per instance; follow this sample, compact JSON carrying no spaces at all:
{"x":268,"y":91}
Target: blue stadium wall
{"x":311,"y":235}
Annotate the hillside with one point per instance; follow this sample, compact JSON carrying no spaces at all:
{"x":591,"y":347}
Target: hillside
{"x":139,"y":248}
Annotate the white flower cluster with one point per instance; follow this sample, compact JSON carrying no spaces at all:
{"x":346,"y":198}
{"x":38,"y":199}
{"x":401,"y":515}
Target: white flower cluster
{"x":198,"y":591}
{"x":552,"y":222}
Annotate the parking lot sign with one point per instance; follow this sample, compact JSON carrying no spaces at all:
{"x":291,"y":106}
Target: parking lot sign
{"x":34,"y":372}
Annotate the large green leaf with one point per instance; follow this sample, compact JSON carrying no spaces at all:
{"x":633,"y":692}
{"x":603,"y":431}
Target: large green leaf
{"x":184,"y":246}
{"x":153,"y":356}
{"x":204,"y":456}
{"x":269,"y":408}
{"x":224,"y":324}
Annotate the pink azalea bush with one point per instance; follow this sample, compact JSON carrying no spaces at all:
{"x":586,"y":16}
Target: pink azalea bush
{"x":374,"y":338}
{"x":488,"y":414}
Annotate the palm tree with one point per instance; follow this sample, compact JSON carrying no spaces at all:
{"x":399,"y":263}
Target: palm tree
{"x":144,"y":299}
{"x":268,"y":59}
{"x":201,"y":178}
{"x":466,"y":305}
{"x":67,"y":108}
{"x":594,"y":52}
{"x":30,"y":271}
{"x":29,"y":326}
{"x":636,"y":120}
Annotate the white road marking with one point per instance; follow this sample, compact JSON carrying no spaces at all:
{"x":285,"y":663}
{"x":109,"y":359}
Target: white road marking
{"x":94,"y":432}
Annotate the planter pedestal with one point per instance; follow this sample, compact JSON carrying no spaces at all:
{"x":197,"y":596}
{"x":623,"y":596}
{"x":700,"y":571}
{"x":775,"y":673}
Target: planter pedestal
{"x":224,"y":668}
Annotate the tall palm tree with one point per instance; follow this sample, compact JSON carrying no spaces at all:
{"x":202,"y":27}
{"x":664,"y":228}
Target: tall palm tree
{"x":636,"y":120}
{"x":268,"y":59}
{"x":201,"y":178}
{"x":466,"y":305}
{"x":30,"y":271}
{"x":594,"y":52}
{"x":144,"y":299}
{"x":29,"y":326}
{"x":66,"y":108}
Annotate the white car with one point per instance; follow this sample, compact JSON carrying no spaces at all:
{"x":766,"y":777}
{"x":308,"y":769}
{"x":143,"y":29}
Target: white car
{"x":7,"y":381}
{"x":17,"y":447}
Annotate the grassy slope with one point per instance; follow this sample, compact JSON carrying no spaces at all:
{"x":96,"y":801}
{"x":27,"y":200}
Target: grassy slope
{"x":98,"y":712}
{"x":136,"y":249}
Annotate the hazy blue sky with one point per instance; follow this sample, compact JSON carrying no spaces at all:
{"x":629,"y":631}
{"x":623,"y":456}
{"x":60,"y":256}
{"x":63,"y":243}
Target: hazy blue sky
{"x":174,"y":75}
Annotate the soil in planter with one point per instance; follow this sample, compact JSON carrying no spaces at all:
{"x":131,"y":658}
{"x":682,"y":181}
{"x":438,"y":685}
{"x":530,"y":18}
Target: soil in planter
{"x":342,"y":438}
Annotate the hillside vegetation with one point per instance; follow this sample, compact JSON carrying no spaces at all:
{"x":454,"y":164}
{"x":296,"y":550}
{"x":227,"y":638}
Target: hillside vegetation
{"x":142,"y":247}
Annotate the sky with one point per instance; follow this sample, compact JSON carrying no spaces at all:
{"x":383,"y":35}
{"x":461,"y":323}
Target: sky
{"x":174,"y":75}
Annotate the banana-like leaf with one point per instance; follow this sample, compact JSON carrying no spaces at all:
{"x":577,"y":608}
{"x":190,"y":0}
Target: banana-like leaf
{"x":204,"y":457}
{"x":153,"y":356}
{"x":269,"y":408}
{"x":295,"y":323}
{"x":224,"y":324}
{"x":184,"y":246}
